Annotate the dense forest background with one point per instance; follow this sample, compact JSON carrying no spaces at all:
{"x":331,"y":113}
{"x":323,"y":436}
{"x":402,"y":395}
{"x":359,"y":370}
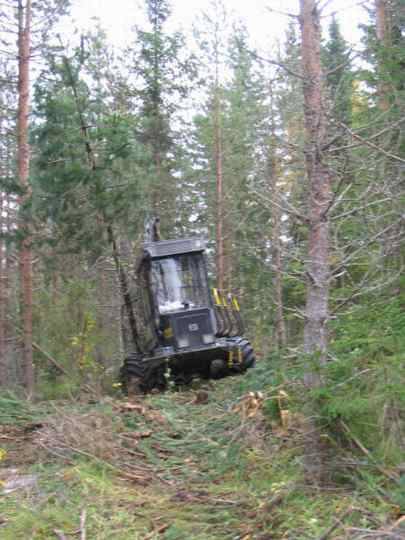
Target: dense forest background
{"x":219,"y":140}
{"x":290,"y":162}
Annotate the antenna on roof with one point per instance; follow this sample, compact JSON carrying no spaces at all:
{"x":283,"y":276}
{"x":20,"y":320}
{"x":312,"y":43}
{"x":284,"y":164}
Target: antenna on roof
{"x":152,"y":229}
{"x":156,"y":230}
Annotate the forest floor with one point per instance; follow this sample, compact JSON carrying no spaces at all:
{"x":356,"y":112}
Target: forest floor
{"x":206,"y":463}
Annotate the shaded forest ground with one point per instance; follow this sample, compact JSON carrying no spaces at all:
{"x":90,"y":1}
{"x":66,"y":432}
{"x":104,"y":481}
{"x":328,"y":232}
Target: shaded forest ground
{"x":201,"y":464}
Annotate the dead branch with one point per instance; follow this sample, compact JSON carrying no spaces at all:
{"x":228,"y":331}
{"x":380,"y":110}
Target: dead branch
{"x":338,"y":523}
{"x":362,"y":372}
{"x":360,"y":208}
{"x":157,"y":531}
{"x":54,"y":453}
{"x":286,"y":207}
{"x":364,"y":246}
{"x":44,"y":353}
{"x":284,"y":13}
{"x":370,"y":144}
{"x":59,"y":534}
{"x":367,"y":453}
{"x":360,"y":291}
{"x":277,"y":64}
{"x":390,"y":127}
{"x":342,"y":65}
{"x":83,"y":516}
{"x":337,"y":197}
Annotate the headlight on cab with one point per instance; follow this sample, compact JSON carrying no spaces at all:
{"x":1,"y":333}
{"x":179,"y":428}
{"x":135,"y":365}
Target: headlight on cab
{"x":183,"y":342}
{"x":208,"y":338}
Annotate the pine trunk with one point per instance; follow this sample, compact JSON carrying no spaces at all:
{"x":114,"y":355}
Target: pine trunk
{"x":382,"y":31}
{"x":23,"y":160}
{"x":219,"y":194}
{"x":276,"y":256}
{"x":318,"y":274}
{"x":3,"y":300}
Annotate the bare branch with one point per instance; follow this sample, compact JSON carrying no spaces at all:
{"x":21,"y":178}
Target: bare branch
{"x":365,"y":245}
{"x":277,"y":64}
{"x":361,"y":290}
{"x":360,"y":208}
{"x":343,"y":64}
{"x":390,"y":127}
{"x":284,"y":13}
{"x":286,"y":207}
{"x":371,"y":145}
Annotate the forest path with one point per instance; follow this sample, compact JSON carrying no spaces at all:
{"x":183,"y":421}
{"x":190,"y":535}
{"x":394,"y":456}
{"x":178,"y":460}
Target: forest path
{"x":210,"y":463}
{"x":178,"y":465}
{"x":174,"y":466}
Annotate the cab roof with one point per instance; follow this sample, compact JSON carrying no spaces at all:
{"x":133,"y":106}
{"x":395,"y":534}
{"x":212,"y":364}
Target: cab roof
{"x":165,"y":248}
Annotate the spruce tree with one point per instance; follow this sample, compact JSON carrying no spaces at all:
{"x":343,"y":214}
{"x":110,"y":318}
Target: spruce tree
{"x":162,"y":70}
{"x":244,"y":140}
{"x":83,"y":144}
{"x":337,"y":67}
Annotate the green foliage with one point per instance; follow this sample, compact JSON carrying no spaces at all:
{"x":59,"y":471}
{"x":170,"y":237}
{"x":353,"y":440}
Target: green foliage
{"x":368,"y":365}
{"x":67,"y":315}
{"x":84,"y":143}
{"x":16,"y":410}
{"x":162,"y":71}
{"x":386,"y":60}
{"x":336,"y":61}
{"x":398,"y":495}
{"x":235,"y":116}
{"x":210,"y":475}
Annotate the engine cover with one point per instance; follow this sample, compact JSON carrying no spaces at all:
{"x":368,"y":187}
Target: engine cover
{"x":192,"y":328}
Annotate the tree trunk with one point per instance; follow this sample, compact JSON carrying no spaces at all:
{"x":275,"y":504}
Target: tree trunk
{"x":382,"y":31}
{"x":276,"y":255}
{"x":3,"y":300}
{"x":3,"y":290}
{"x":220,"y":258}
{"x":315,"y":331}
{"x":23,"y":161}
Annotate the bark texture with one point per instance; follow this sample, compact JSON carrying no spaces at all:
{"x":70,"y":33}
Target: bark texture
{"x":383,"y":37}
{"x":220,"y":202}
{"x":316,"y":312}
{"x":276,"y":254}
{"x":220,"y":254}
{"x":23,"y":162}
{"x":3,"y":301}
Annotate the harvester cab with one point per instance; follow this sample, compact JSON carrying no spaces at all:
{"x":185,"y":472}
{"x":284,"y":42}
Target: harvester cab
{"x":183,"y":328}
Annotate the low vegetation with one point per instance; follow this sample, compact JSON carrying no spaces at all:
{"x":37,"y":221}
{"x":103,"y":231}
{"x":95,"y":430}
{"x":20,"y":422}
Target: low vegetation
{"x":223,"y":460}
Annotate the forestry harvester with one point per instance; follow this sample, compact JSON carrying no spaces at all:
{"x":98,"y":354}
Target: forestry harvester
{"x":180,"y":328}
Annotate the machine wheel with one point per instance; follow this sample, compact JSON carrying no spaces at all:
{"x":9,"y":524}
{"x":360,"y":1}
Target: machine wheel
{"x":134,"y":377}
{"x":248,"y":354}
{"x":218,"y":368}
{"x":139,"y":377}
{"x":131,"y":385}
{"x":134,"y":386}
{"x":249,"y":359}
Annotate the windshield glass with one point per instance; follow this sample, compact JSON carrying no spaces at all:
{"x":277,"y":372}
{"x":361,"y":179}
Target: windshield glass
{"x":179,"y":282}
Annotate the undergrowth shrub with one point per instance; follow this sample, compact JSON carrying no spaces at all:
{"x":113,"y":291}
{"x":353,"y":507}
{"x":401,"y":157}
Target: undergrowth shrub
{"x":364,"y":381}
{"x":16,"y":410}
{"x":68,"y":326}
